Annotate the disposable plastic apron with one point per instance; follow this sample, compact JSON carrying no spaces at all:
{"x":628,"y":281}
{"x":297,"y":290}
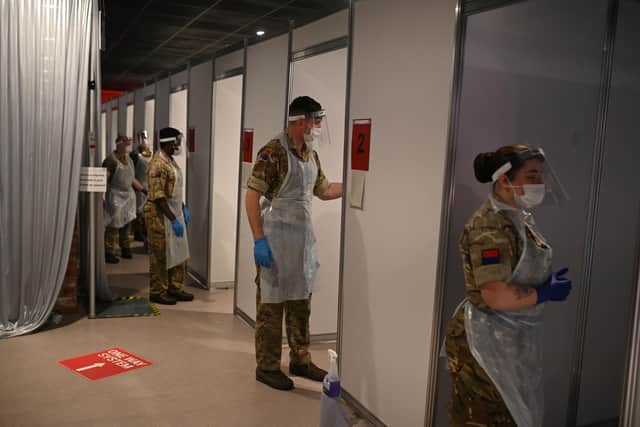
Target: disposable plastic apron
{"x":120,"y":198}
{"x":177,"y":247}
{"x":287,"y":226}
{"x":507,"y":344}
{"x":141,"y":175}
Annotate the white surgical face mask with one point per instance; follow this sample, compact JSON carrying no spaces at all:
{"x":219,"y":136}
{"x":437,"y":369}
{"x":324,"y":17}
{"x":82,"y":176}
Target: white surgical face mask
{"x":309,"y":137}
{"x":532,"y":197}
{"x":316,"y":132}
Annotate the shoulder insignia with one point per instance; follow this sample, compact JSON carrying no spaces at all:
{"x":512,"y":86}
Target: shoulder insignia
{"x":490,"y":257}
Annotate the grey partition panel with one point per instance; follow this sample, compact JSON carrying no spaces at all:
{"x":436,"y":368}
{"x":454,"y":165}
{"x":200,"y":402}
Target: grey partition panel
{"x":265,"y":99}
{"x":324,"y":78}
{"x":122,"y":114}
{"x":613,"y":278}
{"x":138,"y":111}
{"x":199,"y":171}
{"x":179,"y":79}
{"x":112,"y":129}
{"x":162,"y":104}
{"x":227,"y":124}
{"x":531,"y":74}
{"x":107,"y":123}
{"x":229,"y":62}
{"x":329,"y":28}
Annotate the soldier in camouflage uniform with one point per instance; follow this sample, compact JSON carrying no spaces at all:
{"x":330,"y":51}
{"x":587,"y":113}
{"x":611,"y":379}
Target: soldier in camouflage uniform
{"x":492,"y":247}
{"x":120,"y":200}
{"x":475,"y":401}
{"x":268,"y":178}
{"x":141,"y":158}
{"x":165,"y":283}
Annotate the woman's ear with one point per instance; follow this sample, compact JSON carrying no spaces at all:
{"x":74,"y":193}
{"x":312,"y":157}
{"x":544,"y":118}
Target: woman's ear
{"x":503,"y":180}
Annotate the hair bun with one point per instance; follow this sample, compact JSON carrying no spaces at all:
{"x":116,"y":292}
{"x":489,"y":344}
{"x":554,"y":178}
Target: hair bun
{"x":484,"y":166}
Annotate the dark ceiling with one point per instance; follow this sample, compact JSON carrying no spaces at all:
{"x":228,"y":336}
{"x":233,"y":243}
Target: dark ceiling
{"x":150,"y":38}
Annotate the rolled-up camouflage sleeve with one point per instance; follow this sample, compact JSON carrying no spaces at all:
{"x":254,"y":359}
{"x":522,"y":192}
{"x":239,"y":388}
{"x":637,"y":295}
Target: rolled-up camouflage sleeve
{"x":265,"y":171}
{"x":490,"y":254}
{"x":322,"y":183}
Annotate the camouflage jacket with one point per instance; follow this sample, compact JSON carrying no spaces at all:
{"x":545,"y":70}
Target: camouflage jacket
{"x":272,"y":165}
{"x":161,"y":176}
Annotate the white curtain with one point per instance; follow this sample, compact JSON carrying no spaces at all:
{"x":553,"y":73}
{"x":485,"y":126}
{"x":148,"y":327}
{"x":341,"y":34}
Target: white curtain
{"x":45,"y":50}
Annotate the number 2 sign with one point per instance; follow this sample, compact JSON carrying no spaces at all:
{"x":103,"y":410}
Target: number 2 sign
{"x":360,"y":144}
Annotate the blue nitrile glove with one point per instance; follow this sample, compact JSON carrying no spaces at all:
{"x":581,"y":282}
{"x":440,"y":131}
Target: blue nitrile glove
{"x":262,"y":252}
{"x":557,"y":288}
{"x":178,"y":228}
{"x":186,"y":214}
{"x":144,"y":191}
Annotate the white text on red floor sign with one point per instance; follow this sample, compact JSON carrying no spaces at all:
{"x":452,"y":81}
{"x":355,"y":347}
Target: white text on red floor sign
{"x":106,"y":363}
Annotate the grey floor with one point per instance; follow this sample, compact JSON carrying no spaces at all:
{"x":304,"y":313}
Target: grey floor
{"x":203,"y":371}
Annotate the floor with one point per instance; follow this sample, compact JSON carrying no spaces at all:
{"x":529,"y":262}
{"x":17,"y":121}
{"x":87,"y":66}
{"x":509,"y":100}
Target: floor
{"x":203,"y":371}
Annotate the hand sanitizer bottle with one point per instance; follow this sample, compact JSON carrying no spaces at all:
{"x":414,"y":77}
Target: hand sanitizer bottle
{"x":331,"y":383}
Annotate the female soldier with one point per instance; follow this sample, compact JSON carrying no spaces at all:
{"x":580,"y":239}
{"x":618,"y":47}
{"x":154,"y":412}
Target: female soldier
{"x":492,"y":343}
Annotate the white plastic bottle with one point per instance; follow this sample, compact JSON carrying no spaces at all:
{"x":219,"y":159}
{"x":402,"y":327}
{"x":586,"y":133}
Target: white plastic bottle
{"x":331,"y":383}
{"x":331,"y":412}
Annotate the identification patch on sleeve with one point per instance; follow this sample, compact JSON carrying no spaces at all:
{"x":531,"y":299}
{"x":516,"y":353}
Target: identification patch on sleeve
{"x":490,"y":256}
{"x":264,"y":154}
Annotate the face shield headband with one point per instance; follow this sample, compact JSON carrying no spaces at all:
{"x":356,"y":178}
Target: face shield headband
{"x":519,"y":159}
{"x":175,"y":141}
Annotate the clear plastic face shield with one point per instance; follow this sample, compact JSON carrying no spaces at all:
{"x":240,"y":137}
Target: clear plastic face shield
{"x":316,"y":128}
{"x":143,"y":140}
{"x":175,"y":141}
{"x":536,"y":182}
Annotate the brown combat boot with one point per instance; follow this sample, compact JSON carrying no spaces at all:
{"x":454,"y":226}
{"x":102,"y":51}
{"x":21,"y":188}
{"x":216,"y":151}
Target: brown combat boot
{"x":309,"y":371}
{"x":274,"y":379}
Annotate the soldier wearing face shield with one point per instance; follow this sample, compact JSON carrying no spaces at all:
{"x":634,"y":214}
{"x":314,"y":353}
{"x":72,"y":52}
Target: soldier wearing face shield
{"x":120,"y":200}
{"x":166,"y":218}
{"x":493,"y":343}
{"x":141,"y":157}
{"x":287,"y":174}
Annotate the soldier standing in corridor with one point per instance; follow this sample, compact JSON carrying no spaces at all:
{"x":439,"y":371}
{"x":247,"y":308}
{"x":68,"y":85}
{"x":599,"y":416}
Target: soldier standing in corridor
{"x":166,"y":218}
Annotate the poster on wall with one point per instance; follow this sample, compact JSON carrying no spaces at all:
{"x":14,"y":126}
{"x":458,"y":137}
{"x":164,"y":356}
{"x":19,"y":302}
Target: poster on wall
{"x":247,"y":156}
{"x":361,"y":144}
{"x":356,"y":196}
{"x":360,"y":149}
{"x":247,"y":145}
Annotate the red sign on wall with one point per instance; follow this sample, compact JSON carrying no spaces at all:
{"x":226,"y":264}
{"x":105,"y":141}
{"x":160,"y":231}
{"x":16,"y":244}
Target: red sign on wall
{"x":107,"y":95}
{"x":361,"y":144}
{"x":191,"y":140}
{"x":106,"y":363}
{"x":247,"y":145}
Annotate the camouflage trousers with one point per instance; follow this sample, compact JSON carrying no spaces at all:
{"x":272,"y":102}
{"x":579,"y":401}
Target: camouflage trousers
{"x":475,"y":401}
{"x":114,"y":237}
{"x":139,"y":228}
{"x":269,"y":331}
{"x":161,"y":280}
